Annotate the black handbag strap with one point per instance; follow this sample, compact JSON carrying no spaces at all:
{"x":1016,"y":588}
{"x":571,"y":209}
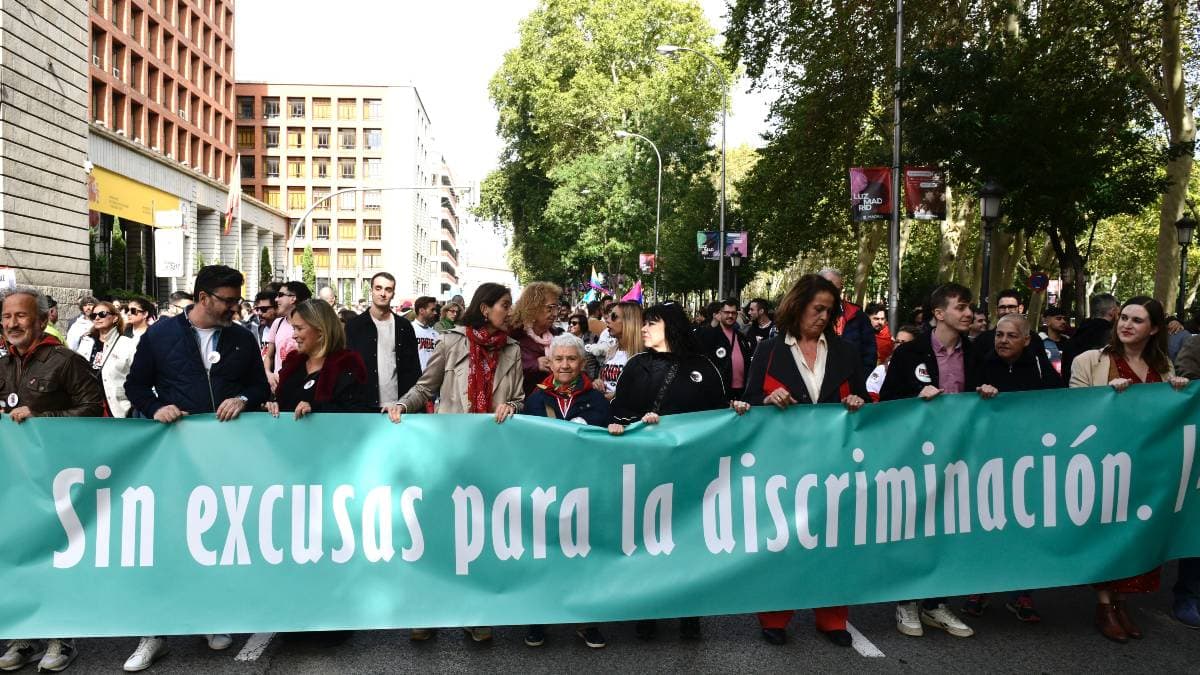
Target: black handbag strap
{"x":666,"y":384}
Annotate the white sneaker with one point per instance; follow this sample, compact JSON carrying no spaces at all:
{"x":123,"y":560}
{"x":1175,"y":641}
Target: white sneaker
{"x":59,"y":654}
{"x":219,"y":641}
{"x":943,"y":617}
{"x":149,"y":650}
{"x":20,"y":653}
{"x":908,"y":620}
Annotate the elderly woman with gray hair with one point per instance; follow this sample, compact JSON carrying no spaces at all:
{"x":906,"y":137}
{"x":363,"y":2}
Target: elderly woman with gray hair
{"x":567,"y":394}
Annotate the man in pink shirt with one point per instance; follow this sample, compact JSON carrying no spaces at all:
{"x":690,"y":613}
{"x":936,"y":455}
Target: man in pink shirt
{"x":728,"y":349}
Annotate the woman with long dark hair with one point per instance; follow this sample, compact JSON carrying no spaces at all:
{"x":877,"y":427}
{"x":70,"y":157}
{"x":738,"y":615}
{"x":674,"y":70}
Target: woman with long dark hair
{"x":1136,"y":354}
{"x":142,"y":314}
{"x":670,"y":377}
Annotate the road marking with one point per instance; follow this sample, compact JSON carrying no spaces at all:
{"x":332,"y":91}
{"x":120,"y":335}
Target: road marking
{"x":861,"y":644}
{"x":254,"y":647}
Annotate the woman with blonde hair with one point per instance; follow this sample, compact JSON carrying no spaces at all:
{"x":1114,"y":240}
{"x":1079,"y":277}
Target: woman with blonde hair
{"x":322,"y":375}
{"x":111,"y":354}
{"x":1136,"y":354}
{"x":531,"y":324}
{"x":624,"y":322}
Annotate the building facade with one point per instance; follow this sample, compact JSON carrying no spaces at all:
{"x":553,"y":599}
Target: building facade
{"x":352,"y":166}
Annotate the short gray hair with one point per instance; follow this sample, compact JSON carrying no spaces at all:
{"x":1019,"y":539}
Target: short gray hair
{"x":568,"y":341}
{"x":1020,"y":319}
{"x":43,"y":303}
{"x":827,"y":272}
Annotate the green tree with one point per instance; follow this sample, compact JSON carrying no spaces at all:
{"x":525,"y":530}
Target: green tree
{"x":138,"y":274}
{"x":98,"y":262}
{"x":264,"y":268}
{"x":308,"y":268}
{"x":116,"y":257}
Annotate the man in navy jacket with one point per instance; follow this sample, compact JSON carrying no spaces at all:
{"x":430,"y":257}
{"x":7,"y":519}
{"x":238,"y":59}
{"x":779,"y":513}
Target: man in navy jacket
{"x":199,"y":361}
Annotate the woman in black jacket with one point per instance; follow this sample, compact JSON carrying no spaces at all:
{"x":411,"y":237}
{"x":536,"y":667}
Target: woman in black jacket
{"x":807,"y":363}
{"x":321,"y":375}
{"x":670,"y":377}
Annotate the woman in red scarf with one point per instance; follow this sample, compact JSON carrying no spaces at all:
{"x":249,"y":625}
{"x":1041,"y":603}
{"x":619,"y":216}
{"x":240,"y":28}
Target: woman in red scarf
{"x":476,"y":368}
{"x":1136,"y":354}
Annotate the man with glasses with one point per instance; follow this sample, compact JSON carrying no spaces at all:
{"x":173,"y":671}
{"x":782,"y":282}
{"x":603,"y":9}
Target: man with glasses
{"x":728,"y":349}
{"x":197,"y":362}
{"x":264,"y":316}
{"x":450,"y":315}
{"x":280,"y":340}
{"x":179,"y":301}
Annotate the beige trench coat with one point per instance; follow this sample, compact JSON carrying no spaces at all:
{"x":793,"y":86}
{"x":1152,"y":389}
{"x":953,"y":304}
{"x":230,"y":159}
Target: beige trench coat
{"x":446,"y":376}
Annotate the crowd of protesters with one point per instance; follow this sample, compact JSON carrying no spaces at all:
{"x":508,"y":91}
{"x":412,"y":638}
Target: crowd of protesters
{"x":606,"y":364}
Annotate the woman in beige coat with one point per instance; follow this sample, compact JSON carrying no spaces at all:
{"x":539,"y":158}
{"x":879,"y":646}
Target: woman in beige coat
{"x":1136,"y":354}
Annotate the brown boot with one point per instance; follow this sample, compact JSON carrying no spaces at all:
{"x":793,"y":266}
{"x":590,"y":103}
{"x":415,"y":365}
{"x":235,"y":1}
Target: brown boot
{"x":1108,"y":624}
{"x":1127,"y":624}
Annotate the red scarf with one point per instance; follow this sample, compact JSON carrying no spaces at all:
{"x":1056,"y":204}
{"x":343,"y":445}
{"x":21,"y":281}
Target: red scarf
{"x":481,"y":373}
{"x":565,"y":394}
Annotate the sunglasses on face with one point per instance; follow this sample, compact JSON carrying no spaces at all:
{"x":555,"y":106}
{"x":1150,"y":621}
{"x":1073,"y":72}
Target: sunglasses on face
{"x":281,"y":294}
{"x":574,"y":323}
{"x":135,"y":311}
{"x":264,"y":309}
{"x":102,"y":314}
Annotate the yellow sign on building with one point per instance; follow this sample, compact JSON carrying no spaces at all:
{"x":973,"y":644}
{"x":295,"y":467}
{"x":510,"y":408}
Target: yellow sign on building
{"x":127,"y":199}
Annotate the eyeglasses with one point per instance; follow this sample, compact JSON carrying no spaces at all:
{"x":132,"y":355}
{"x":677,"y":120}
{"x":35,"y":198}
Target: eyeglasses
{"x":1010,"y":307}
{"x":574,"y":323}
{"x":102,"y":314}
{"x":282,"y":294}
{"x":227,"y":301}
{"x":266,"y":308}
{"x":135,"y":311}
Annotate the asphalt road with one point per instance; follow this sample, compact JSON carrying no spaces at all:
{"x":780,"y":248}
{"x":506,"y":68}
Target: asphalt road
{"x":1064,"y":642}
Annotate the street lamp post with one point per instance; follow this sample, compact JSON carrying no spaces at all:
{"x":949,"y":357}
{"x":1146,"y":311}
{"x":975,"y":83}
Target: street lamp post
{"x":989,"y":209}
{"x":1186,"y":227}
{"x":300,"y":224}
{"x":735,"y":261}
{"x":657,"y":202}
{"x":672,"y":50}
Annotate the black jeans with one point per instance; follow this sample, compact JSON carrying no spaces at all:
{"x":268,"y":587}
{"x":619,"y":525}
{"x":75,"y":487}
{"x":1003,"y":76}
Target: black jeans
{"x":1188,"y":583}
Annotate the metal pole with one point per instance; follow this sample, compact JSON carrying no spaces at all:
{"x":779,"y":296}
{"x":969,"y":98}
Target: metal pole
{"x":1179,"y":302}
{"x":985,"y":285}
{"x":721,"y":254}
{"x":657,"y":204}
{"x":894,"y":226}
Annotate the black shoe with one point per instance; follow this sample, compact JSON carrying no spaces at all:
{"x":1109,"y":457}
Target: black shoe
{"x":775,"y":636}
{"x":535,"y":636}
{"x":689,"y":628}
{"x":646,"y":629}
{"x":591,"y":637}
{"x":840,"y":638}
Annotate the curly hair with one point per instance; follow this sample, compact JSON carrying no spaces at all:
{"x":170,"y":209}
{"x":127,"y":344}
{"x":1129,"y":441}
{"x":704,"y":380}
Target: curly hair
{"x":532,"y":303}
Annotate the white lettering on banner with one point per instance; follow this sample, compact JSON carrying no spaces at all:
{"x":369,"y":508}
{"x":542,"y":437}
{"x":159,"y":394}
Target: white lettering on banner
{"x":237,"y":502}
{"x":103,"y":525}
{"x":834,"y":487}
{"x":575,"y":510}
{"x":377,"y":525}
{"x":507,"y":543}
{"x":468,"y":510}
{"x":803,"y":533}
{"x":266,"y":522}
{"x":657,"y":531}
{"x":201,"y":515}
{"x":778,"y":517}
{"x":1185,"y":473}
{"x":133,"y":501}
{"x":76,"y":539}
{"x":718,"y":511}
{"x":311,"y":553}
{"x":896,"y":488}
{"x":749,"y":510}
{"x":1024,"y":518}
{"x":408,"y":509}
{"x":1080,"y":491}
{"x":991,"y":503}
{"x":1123,"y":463}
{"x":542,"y":499}
{"x":628,"y":507}
{"x":341,"y":517}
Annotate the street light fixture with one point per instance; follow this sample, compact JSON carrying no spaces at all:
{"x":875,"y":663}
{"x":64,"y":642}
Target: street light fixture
{"x":657,"y":203}
{"x":990,"y":196}
{"x":735,"y":261}
{"x":1186,"y":227}
{"x":673,"y":52}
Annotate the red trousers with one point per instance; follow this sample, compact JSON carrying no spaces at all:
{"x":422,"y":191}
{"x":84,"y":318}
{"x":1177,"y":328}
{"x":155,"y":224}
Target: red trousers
{"x":827,"y":618}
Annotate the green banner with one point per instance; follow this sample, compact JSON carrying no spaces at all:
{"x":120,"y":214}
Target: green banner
{"x":128,"y":527}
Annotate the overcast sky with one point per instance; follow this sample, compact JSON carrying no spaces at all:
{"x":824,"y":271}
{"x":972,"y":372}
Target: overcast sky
{"x":449,"y":49}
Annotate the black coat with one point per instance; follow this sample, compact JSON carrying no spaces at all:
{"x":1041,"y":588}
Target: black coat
{"x":984,"y":346}
{"x":774,"y":358}
{"x":902,"y":380}
{"x":1029,"y":373}
{"x":363,"y":337}
{"x":858,"y":333}
{"x":340,"y":386}
{"x":719,"y":350}
{"x":697,"y":386}
{"x":591,"y":406}
{"x":1091,"y":334}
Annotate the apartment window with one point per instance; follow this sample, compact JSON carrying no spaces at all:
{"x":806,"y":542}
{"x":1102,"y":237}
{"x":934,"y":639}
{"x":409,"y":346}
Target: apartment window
{"x":271,"y":137}
{"x":346,"y":168}
{"x":346,"y":201}
{"x":322,"y":110}
{"x":347,"y":259}
{"x":271,"y":196}
{"x":296,"y":199}
{"x":372,"y":200}
{"x":295,"y":138}
{"x":346,"y":139}
{"x":295,"y":168}
{"x":372,"y":230}
{"x":347,"y":109}
{"x":270,"y":167}
{"x":373,"y":139}
{"x":245,"y":138}
{"x":321,"y":258}
{"x":373,"y":168}
{"x":320,"y":198}
{"x":247,"y":168}
{"x":372,"y":258}
{"x":270,"y":108}
{"x":373,"y":109}
{"x":321,"y":227}
{"x":296,"y":108}
{"x":321,"y":139}
{"x":320,"y":168}
{"x":347,"y":230}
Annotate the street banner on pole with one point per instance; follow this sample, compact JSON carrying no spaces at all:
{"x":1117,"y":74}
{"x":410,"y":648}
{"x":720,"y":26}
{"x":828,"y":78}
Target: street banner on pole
{"x":646,"y":263}
{"x":925,"y":192}
{"x":349,"y":521}
{"x":871,"y":193}
{"x":736,"y":243}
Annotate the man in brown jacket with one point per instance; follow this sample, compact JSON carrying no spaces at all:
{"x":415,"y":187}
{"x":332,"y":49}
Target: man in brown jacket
{"x":39,"y":377}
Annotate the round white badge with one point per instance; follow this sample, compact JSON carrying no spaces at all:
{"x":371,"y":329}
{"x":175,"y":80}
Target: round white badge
{"x":309,"y":384}
{"x":720,"y":353}
{"x":13,"y":400}
{"x":214,"y":358}
{"x":922,"y":374}
{"x":697,"y":377}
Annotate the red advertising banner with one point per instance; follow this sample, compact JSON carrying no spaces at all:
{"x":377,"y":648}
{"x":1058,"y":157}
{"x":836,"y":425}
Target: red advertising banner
{"x":925,"y":192}
{"x":646,"y":263}
{"x":870,"y":193}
